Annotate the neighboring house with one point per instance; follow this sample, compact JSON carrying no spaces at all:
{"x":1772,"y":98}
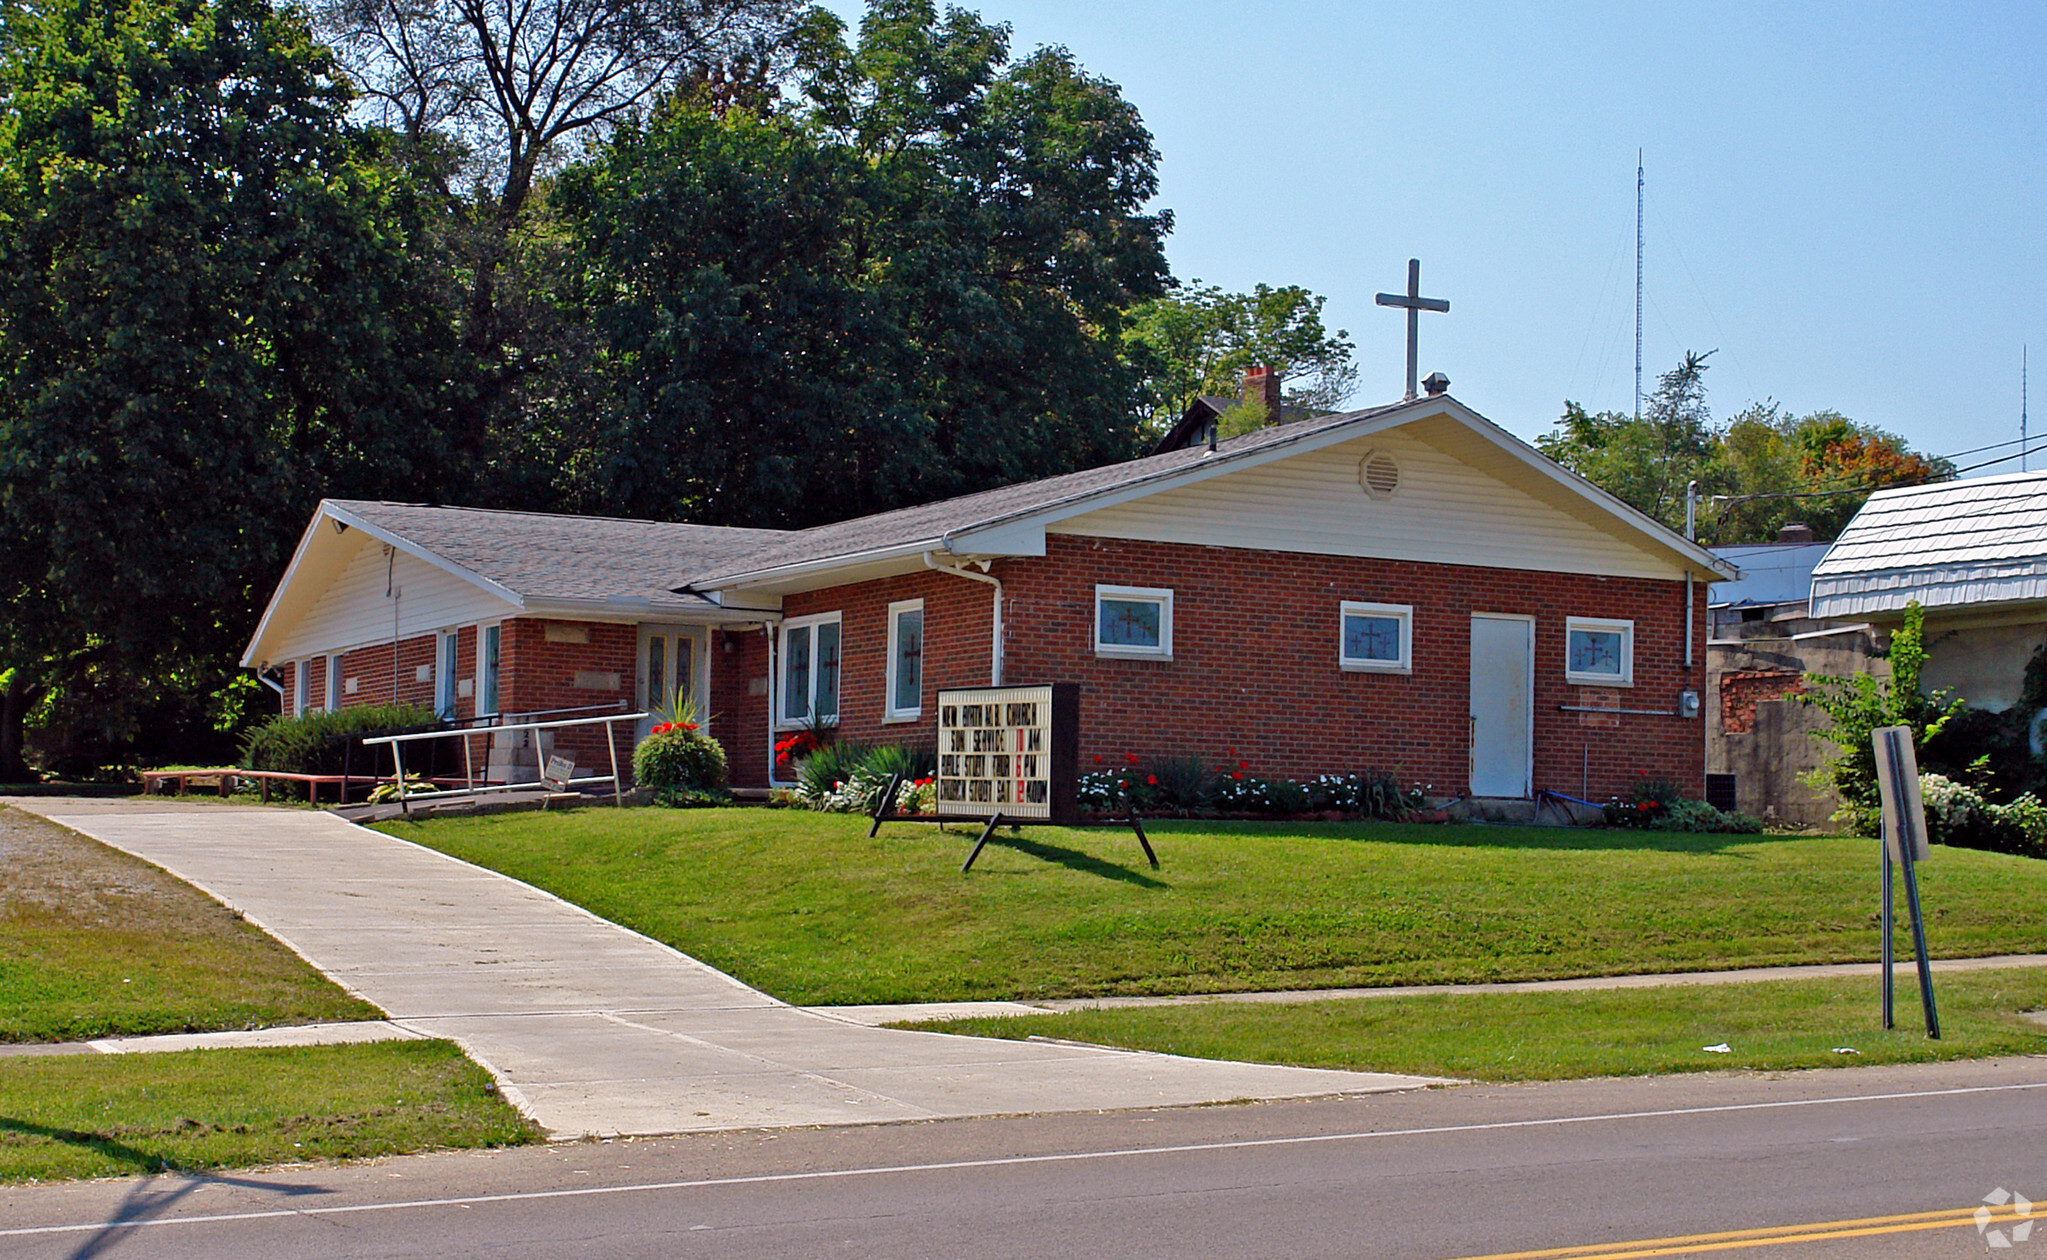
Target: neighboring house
{"x":1974,"y":555}
{"x":1759,"y":741}
{"x":1408,"y":589}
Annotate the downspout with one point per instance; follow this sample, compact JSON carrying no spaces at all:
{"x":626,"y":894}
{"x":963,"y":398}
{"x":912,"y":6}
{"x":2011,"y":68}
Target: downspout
{"x":1691,"y":535}
{"x":272,"y":679}
{"x":994,"y":648}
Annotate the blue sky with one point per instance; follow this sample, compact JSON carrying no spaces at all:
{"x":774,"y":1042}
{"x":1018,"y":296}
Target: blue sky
{"x":1843,"y":201}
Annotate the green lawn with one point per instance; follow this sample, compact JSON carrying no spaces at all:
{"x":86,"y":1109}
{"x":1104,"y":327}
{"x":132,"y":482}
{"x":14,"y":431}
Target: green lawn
{"x":95,"y":943}
{"x":1777,"y":1025}
{"x":806,"y":907}
{"x":113,"y":1115}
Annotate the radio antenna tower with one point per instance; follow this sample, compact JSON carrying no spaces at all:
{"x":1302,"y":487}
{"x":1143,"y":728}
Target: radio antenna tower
{"x":1638,"y":286}
{"x":2022,"y":409}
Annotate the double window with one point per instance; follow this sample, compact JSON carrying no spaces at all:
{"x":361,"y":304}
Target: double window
{"x":905,"y":660}
{"x":1134,"y":621}
{"x":1599,"y":652}
{"x":809,"y":690}
{"x":1376,"y":638}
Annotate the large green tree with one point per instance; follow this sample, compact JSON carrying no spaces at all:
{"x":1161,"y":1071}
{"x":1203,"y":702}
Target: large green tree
{"x":207,"y":319}
{"x":1758,"y":472}
{"x":907,"y":283}
{"x":1199,"y":339}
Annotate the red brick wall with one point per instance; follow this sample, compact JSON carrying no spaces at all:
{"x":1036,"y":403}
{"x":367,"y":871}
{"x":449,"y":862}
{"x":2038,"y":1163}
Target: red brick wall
{"x":1255,"y":678}
{"x":535,"y":675}
{"x":1741,"y":692}
{"x":957,"y":642}
{"x":739,"y":703}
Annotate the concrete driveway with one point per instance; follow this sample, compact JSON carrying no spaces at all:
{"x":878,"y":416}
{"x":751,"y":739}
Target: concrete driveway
{"x":594,"y":1029}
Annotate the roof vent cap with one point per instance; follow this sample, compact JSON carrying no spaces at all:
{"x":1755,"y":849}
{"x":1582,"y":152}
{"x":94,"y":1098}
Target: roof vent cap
{"x":1436,"y":383}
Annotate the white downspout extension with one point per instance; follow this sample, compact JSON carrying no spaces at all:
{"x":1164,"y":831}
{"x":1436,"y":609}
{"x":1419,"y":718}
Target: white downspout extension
{"x":995,"y":648}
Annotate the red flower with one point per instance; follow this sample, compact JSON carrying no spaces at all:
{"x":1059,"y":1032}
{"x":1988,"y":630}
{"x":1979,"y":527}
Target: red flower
{"x":1243,"y":765}
{"x":1152,"y":779}
{"x":685,"y":726}
{"x":1131,"y":758}
{"x":1098,"y":759}
{"x":1236,"y":774}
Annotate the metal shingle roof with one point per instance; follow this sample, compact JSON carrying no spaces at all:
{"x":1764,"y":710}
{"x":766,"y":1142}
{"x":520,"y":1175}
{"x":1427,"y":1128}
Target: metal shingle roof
{"x":1958,"y":542}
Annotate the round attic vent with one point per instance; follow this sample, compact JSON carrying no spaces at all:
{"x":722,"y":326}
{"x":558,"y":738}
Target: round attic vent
{"x":1379,"y":474}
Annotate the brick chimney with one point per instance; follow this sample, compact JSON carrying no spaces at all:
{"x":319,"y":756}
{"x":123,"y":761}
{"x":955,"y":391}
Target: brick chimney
{"x":1261,"y":389}
{"x":1796,"y":532}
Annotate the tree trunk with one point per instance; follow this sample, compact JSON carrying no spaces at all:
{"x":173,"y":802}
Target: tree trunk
{"x":15,"y":703}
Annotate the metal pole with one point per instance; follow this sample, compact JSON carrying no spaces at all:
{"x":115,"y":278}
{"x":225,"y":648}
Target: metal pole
{"x":1884,"y":919}
{"x":611,"y":746}
{"x":398,"y":768}
{"x":1918,"y":935}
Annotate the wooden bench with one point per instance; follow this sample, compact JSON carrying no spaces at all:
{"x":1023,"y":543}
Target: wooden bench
{"x":224,"y":779}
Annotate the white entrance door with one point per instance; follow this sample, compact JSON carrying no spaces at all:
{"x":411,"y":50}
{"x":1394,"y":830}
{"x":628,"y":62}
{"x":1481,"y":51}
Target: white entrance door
{"x":672,"y":658}
{"x":1502,"y":704}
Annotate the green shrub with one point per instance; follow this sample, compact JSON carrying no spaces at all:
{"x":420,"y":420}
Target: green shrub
{"x":1372,"y":794}
{"x":1858,"y":706}
{"x":849,"y":778}
{"x":677,"y":761}
{"x":1253,"y":795}
{"x":1175,"y":781}
{"x":1956,"y":813}
{"x":826,"y":770}
{"x":2023,"y":823}
{"x":1698,"y":816}
{"x":318,"y":743}
{"x":885,"y":760}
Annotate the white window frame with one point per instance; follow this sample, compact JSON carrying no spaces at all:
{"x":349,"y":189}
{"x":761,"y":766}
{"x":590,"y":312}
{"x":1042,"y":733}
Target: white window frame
{"x":1605,"y":625}
{"x":333,"y":682}
{"x":782,"y":719}
{"x":447,"y":655}
{"x":1403,"y":613}
{"x":1162,"y":596}
{"x":301,"y":687}
{"x":482,"y":689}
{"x":891,"y":713}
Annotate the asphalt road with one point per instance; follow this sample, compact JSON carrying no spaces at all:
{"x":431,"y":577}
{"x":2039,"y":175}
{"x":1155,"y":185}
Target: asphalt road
{"x":1853,"y":1163}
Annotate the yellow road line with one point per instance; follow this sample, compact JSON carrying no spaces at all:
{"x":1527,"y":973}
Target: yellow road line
{"x":1727,"y":1240}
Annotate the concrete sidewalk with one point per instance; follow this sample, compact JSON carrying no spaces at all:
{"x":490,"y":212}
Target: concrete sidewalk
{"x":593,"y":1029}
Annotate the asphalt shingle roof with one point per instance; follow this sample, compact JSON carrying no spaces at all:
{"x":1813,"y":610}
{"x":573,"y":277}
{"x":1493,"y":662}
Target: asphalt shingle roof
{"x":930,"y":522}
{"x":545,"y":556}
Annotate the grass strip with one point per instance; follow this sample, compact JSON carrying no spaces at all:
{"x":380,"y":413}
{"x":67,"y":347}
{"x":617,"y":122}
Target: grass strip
{"x":807,"y":907}
{"x":95,"y":943}
{"x":114,"y":1115}
{"x":1768,"y":1026}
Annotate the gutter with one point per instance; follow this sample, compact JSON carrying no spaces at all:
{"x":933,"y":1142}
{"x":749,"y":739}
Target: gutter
{"x":995,"y":647}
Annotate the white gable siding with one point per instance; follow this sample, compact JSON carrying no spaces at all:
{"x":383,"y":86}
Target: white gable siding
{"x":1445,"y":511}
{"x":354,"y":612}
